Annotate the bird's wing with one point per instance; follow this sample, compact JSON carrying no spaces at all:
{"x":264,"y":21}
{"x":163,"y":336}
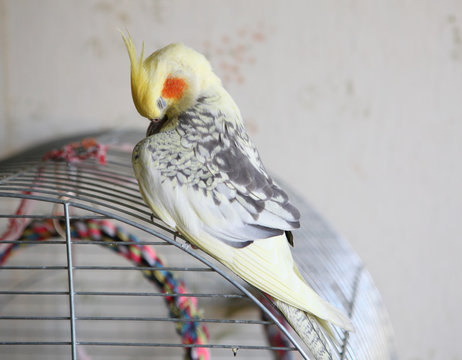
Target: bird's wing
{"x":253,"y":205}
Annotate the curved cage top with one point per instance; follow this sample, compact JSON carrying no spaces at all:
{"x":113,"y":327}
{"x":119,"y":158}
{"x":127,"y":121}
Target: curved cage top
{"x":68,"y":297}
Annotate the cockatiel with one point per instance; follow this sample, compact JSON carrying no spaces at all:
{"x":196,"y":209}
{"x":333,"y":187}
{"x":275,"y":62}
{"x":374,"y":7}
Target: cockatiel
{"x":200,"y":173}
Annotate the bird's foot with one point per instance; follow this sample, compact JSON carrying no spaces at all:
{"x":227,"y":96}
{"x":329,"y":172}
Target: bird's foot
{"x":186,"y":245}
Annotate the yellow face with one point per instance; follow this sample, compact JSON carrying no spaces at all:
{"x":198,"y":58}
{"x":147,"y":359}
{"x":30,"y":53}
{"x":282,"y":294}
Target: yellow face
{"x":152,"y":102}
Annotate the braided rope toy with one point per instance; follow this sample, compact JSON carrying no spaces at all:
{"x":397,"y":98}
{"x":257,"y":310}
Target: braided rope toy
{"x":71,"y":153}
{"x":180,"y":307}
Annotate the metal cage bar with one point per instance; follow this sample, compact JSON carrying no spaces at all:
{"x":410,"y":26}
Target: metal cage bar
{"x":70,"y":275}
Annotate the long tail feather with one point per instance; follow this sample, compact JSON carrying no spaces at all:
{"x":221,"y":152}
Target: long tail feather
{"x":309,"y":330}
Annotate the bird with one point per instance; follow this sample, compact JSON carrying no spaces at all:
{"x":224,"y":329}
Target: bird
{"x":200,"y":173}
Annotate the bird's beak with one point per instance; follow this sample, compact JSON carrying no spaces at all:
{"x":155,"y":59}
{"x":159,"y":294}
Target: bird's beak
{"x":155,"y":125}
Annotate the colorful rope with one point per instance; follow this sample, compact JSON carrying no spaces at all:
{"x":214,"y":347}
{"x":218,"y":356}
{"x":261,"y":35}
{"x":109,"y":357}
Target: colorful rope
{"x":75,"y":152}
{"x":180,"y":307}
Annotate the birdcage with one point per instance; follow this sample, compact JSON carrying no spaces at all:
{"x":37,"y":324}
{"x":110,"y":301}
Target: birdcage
{"x":86,"y":271}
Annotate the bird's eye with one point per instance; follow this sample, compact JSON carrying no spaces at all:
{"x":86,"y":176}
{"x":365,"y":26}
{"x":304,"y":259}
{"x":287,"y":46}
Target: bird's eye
{"x":161,"y":104}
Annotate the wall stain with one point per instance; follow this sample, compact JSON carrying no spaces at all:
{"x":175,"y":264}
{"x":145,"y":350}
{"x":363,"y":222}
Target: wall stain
{"x":123,"y":17}
{"x":366,"y":112}
{"x":110,"y":9}
{"x":308,"y":96}
{"x":96,"y":46}
{"x":252,"y":125}
{"x":158,"y":11}
{"x":349,"y":87}
{"x":235,"y":51}
{"x":104,"y":6}
{"x":154,"y":7}
{"x":456,"y":38}
{"x":358,"y":170}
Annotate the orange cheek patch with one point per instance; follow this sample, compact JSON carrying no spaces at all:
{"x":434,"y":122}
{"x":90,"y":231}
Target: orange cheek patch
{"x":173,"y":88}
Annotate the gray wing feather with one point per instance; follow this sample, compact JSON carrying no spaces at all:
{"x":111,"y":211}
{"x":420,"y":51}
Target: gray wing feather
{"x":240,"y":178}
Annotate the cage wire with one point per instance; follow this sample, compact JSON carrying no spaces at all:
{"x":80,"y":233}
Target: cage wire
{"x":87,"y":273}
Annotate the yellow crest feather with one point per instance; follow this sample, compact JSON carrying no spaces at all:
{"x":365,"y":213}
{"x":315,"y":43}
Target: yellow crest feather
{"x":139,"y":77}
{"x":136,"y":63}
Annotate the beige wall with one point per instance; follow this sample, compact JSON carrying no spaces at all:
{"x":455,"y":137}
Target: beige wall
{"x":357,"y":104}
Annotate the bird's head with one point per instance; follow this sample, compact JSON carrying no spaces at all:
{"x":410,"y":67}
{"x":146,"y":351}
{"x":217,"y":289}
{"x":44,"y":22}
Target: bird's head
{"x":168,"y":81}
